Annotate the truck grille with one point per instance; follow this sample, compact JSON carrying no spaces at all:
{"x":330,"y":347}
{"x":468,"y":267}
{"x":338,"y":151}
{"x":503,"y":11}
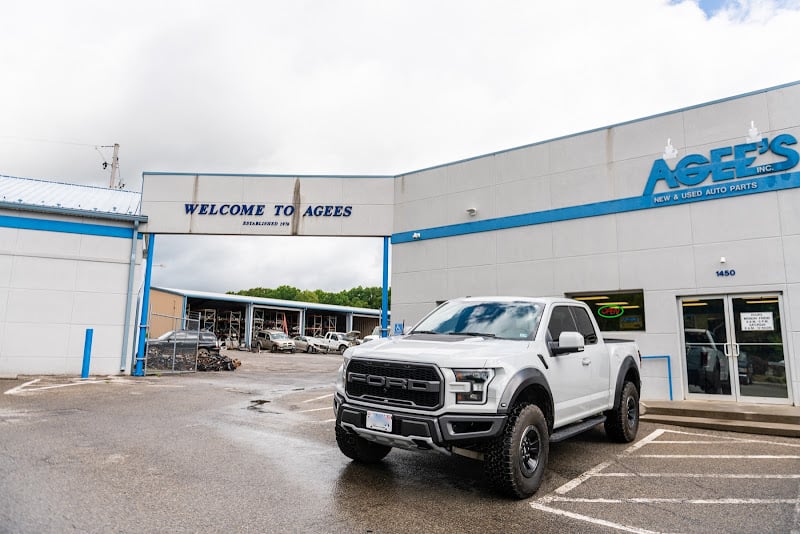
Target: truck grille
{"x":395,"y":383}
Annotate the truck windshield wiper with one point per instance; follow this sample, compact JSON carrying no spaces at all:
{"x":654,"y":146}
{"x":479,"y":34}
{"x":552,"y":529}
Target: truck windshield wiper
{"x":424,"y":332}
{"x":476,"y":334}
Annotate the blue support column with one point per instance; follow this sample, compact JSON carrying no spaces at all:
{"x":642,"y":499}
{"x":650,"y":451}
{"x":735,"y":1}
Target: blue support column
{"x":140,"y":353}
{"x":385,"y":293}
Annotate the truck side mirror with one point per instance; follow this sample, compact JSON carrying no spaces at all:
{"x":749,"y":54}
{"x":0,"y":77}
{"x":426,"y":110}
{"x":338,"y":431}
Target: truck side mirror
{"x":568,"y":342}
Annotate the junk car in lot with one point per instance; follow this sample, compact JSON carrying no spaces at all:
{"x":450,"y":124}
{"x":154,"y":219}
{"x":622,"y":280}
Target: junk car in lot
{"x":273,"y":341}
{"x":495,"y":379}
{"x":203,"y":342}
{"x":308,"y":344}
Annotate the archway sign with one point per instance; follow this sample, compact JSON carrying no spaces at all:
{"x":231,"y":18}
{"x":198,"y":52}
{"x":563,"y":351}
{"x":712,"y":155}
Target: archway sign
{"x":266,"y":205}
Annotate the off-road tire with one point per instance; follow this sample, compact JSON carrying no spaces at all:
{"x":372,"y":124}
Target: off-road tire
{"x":622,"y":421}
{"x":515,"y":461}
{"x":358,"y":449}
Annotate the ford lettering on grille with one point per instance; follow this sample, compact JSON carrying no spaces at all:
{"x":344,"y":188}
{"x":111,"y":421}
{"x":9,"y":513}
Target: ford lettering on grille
{"x":395,"y":383}
{"x":391,"y":382}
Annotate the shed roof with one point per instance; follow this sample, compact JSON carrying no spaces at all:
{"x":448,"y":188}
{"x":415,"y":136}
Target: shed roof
{"x":31,"y":193}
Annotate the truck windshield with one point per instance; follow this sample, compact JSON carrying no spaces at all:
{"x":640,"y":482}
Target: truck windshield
{"x":505,"y":320}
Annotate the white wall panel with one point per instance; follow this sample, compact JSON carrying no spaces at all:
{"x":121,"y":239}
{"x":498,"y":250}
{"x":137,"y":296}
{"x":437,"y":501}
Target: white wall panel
{"x":473,"y":249}
{"x":525,"y":243}
{"x":646,"y":138}
{"x":725,"y":120}
{"x":756,"y":262}
{"x":784,"y":107}
{"x":419,"y":256}
{"x":661,"y":312}
{"x":735,"y":219}
{"x":105,"y":248}
{"x":579,"y":151}
{"x":655,"y":269}
{"x":789,"y":202}
{"x":579,"y":237}
{"x":26,"y":365}
{"x":40,"y":243}
{"x":3,"y":310}
{"x":582,"y":186}
{"x":100,"y":277}
{"x":473,"y":174}
{"x":105,"y":352}
{"x":528,"y":278}
{"x":523,"y":163}
{"x":419,"y":185}
{"x":410,"y":314}
{"x":409,"y":288}
{"x":792,"y":307}
{"x":42,"y":307}
{"x":98,"y":308}
{"x":25,"y":340}
{"x":791,"y":253}
{"x":472,"y":281}
{"x":655,"y":228}
{"x":587,"y":273}
{"x":522,"y":196}
{"x":8,"y":240}
{"x":6,"y":264}
{"x":43,"y":273}
{"x":629,"y":177}
{"x":480,"y":199}
{"x":427,"y":213}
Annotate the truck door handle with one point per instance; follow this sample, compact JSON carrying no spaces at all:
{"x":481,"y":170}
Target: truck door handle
{"x":586,"y":361}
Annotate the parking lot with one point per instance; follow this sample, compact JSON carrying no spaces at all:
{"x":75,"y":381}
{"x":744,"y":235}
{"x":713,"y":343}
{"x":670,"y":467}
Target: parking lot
{"x":253,"y":451}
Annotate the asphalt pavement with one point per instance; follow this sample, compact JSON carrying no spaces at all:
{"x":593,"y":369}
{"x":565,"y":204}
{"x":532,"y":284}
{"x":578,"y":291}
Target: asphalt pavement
{"x":253,"y":450}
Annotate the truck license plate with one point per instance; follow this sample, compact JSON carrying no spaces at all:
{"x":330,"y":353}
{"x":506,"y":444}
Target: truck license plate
{"x":379,"y":421}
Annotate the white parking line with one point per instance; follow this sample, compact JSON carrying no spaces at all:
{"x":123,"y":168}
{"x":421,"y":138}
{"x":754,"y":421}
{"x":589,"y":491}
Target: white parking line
{"x":724,"y":456}
{"x":318,"y":398}
{"x":547,"y":502}
{"x":23,"y":388}
{"x":317,"y":409}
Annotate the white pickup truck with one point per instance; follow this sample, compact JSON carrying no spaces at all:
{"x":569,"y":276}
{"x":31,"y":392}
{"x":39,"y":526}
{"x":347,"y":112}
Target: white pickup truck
{"x":334,"y":341}
{"x":492,"y":378}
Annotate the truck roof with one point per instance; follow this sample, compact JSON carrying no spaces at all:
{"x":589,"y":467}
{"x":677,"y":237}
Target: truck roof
{"x":543,"y":300}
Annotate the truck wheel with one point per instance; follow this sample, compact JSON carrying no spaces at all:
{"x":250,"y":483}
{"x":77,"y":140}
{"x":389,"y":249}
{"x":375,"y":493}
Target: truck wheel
{"x":342,"y":348}
{"x":622,"y":421}
{"x":257,"y":347}
{"x":515,"y":461}
{"x":273,"y":348}
{"x":358,"y":449}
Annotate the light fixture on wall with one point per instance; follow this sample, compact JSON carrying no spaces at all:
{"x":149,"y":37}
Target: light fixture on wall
{"x":416,"y":235}
{"x":472,"y":211}
{"x":670,"y":152}
{"x":753,"y":135}
{"x":722,"y":259}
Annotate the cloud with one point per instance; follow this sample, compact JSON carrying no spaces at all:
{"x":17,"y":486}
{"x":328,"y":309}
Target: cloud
{"x":351,"y":87}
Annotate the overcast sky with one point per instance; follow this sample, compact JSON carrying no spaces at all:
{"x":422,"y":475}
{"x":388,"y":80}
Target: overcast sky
{"x":349,"y":87}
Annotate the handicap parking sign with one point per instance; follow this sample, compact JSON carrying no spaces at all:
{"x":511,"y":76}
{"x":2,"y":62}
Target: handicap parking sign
{"x":398,"y":329}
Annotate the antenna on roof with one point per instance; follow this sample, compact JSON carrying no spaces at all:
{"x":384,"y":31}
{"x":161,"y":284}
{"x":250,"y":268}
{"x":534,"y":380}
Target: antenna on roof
{"x":114,"y":168}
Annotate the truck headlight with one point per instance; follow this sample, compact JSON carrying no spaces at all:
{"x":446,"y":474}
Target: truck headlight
{"x":473,"y":385}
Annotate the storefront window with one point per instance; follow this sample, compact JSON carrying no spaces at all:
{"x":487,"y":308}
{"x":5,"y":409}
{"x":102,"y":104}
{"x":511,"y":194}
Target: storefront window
{"x":615,"y":311}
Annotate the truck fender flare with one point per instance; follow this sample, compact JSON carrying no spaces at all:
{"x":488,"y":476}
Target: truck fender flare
{"x":518,"y":383}
{"x":627,"y":364}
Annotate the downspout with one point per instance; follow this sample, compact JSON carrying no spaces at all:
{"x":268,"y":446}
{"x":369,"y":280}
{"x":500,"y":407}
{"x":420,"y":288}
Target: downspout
{"x":129,"y":298}
{"x":139,"y":370}
{"x":385,"y":292}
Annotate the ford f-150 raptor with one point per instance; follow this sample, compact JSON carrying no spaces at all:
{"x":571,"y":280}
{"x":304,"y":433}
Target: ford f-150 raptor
{"x":493,"y":378}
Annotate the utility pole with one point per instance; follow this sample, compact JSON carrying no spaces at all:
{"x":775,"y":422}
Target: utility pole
{"x":114,"y":167}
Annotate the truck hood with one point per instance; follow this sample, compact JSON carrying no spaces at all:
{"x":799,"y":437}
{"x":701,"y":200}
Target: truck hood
{"x":449,"y":352}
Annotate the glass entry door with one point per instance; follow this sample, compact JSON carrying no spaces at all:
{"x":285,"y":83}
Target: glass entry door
{"x":733,"y":348}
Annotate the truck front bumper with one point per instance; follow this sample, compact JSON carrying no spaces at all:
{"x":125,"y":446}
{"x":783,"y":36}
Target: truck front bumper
{"x":416,"y":431}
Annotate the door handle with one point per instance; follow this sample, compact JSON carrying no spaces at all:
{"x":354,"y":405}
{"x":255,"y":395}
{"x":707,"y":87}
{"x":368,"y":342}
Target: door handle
{"x":736,"y":350}
{"x":727,"y":349}
{"x":586,"y":361}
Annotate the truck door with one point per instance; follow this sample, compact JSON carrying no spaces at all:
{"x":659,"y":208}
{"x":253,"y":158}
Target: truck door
{"x":570,"y":374}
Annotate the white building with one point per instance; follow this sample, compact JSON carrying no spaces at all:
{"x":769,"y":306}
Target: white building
{"x":682,"y":231}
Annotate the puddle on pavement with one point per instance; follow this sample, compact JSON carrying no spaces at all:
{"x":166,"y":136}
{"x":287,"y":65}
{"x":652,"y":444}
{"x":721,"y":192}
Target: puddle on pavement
{"x":257,"y":405}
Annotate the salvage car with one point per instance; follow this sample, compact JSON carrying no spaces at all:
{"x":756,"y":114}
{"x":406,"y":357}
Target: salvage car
{"x":307,"y":344}
{"x":273,"y":341}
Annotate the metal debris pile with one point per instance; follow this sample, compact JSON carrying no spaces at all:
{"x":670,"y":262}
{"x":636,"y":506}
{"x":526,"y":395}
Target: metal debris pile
{"x":217,"y":362}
